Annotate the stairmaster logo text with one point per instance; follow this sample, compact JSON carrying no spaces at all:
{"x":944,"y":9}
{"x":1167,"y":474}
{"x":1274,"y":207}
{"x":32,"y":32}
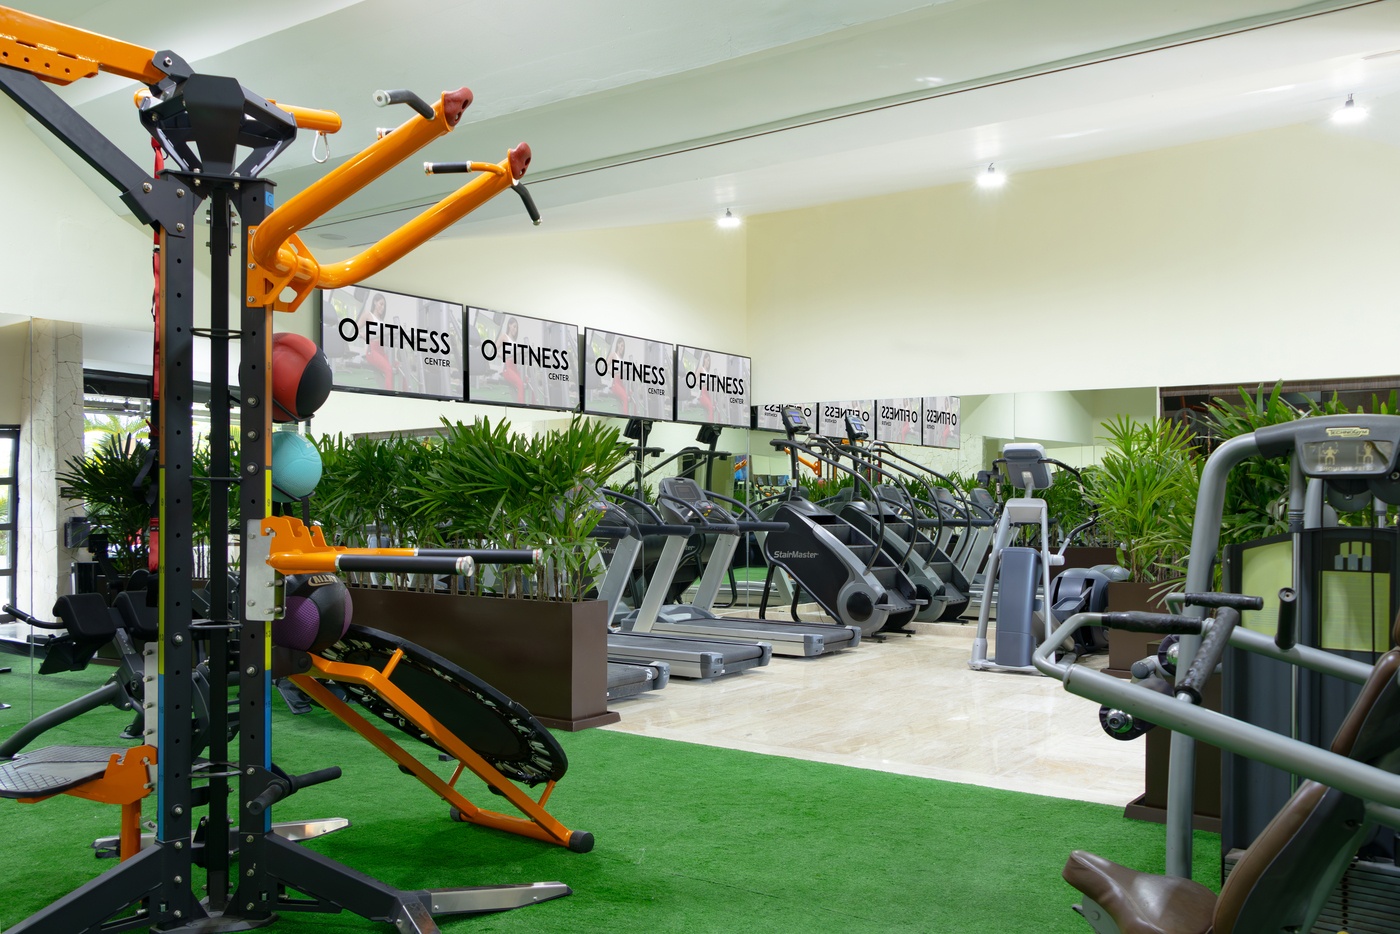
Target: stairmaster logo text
{"x":794,"y":554}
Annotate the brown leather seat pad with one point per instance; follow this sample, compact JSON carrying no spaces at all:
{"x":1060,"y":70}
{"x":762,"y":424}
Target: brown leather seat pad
{"x":1142,"y":903}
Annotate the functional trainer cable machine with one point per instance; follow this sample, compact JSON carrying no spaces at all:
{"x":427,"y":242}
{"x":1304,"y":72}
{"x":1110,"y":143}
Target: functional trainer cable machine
{"x":200,"y":123}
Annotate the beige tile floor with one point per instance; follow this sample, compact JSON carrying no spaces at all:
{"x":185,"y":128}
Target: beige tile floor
{"x":911,"y":706}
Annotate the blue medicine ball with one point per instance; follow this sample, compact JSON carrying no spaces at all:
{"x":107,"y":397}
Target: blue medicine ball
{"x":296,"y":466}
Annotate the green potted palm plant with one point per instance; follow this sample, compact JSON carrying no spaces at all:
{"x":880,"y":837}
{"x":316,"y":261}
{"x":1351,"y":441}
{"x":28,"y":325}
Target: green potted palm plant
{"x":107,"y":483}
{"x":1145,"y":487}
{"x":525,"y":629}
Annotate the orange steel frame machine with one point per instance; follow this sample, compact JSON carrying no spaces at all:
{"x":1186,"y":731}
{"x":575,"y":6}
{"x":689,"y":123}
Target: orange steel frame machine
{"x":201,"y":122}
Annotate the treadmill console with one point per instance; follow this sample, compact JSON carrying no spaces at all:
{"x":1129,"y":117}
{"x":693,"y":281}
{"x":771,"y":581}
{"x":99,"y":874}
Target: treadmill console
{"x":855,"y":429}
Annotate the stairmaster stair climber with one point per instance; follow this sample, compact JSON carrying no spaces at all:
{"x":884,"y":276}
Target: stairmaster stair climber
{"x":908,"y":533}
{"x":855,"y":582}
{"x":958,"y":588}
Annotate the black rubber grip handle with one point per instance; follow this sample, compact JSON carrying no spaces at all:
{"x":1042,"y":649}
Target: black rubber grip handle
{"x":666,"y":529}
{"x":1287,"y":635}
{"x":483,"y":555}
{"x":529,"y":203}
{"x":446,"y":168}
{"x":1212,"y":650}
{"x":401,"y":564}
{"x":24,"y":617}
{"x":1235,"y":601}
{"x":282,"y":787}
{"x":1158,"y":623}
{"x":610,"y":531}
{"x":385,"y":98}
{"x":763,"y":526}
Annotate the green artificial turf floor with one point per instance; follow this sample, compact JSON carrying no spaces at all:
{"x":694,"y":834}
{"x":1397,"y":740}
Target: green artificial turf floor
{"x":689,"y":838}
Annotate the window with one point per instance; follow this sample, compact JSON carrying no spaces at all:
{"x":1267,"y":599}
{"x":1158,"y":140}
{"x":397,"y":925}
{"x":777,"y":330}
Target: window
{"x":9,"y":504}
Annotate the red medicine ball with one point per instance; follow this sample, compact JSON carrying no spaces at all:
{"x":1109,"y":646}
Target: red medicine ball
{"x":301,"y":378}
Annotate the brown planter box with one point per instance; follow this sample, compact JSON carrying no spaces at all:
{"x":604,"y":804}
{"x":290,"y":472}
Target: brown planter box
{"x":550,"y":657}
{"x":1124,"y":648}
{"x":1086,"y":556}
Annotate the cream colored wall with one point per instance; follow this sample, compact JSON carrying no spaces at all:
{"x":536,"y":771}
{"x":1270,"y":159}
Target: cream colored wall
{"x":1226,"y":260}
{"x":682,"y":283}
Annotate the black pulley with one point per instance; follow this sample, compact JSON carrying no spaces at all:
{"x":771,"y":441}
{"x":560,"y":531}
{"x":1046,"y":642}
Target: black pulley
{"x":1121,"y":725}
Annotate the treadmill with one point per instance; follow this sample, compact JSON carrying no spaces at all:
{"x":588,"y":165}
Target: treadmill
{"x":634,"y":642}
{"x":682,"y":501}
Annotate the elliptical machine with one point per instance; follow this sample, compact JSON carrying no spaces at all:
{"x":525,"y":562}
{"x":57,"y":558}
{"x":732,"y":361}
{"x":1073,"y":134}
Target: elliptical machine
{"x":1019,"y":572}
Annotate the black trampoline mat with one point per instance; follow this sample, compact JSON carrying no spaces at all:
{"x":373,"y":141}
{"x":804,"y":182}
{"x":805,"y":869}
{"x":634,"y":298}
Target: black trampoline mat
{"x":498,"y":729}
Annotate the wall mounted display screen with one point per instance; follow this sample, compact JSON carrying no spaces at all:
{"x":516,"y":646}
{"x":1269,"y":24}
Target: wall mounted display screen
{"x":941,"y":422}
{"x":392,"y":344}
{"x":628,"y":376}
{"x":831,"y":416}
{"x":516,"y":360}
{"x":899,"y":421}
{"x":770,"y":417}
{"x":712,"y":388}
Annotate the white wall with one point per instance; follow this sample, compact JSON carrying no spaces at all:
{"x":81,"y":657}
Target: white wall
{"x":1250,"y":259}
{"x":67,"y":256}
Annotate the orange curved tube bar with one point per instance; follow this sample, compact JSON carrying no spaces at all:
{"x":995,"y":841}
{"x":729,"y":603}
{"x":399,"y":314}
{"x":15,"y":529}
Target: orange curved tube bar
{"x":279,"y":260}
{"x":421,"y":229}
{"x":355,"y":173}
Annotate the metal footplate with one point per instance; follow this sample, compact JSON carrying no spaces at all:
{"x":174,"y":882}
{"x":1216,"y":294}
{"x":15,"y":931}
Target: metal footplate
{"x":54,"y":770}
{"x":475,"y":900}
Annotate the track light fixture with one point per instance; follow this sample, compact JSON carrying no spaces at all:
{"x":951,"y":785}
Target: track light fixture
{"x":728,"y":221}
{"x":991,"y":178}
{"x":1349,"y":113}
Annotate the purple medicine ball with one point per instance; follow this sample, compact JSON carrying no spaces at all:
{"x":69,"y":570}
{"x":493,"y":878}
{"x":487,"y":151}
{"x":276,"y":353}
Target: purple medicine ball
{"x":318,"y":613}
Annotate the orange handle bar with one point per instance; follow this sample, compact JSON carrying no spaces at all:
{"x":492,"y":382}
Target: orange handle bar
{"x":61,"y":54}
{"x":322,"y":121}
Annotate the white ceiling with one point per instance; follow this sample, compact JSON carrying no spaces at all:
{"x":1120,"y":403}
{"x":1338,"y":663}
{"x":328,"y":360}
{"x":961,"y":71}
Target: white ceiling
{"x":653,"y":112}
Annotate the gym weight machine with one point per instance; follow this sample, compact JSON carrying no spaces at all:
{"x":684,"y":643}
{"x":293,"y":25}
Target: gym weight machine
{"x":201,"y":122}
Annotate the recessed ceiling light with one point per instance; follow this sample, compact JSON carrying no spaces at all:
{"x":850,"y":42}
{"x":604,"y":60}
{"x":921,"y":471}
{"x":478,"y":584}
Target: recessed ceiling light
{"x":1078,"y":133}
{"x":930,"y":80}
{"x":1349,"y":113}
{"x":991,"y":178}
{"x":729,"y":221}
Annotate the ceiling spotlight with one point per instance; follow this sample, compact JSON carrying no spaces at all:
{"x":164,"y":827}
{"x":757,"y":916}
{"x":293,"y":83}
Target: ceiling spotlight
{"x":728,"y":221}
{"x":1349,"y":113}
{"x":991,"y":178}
